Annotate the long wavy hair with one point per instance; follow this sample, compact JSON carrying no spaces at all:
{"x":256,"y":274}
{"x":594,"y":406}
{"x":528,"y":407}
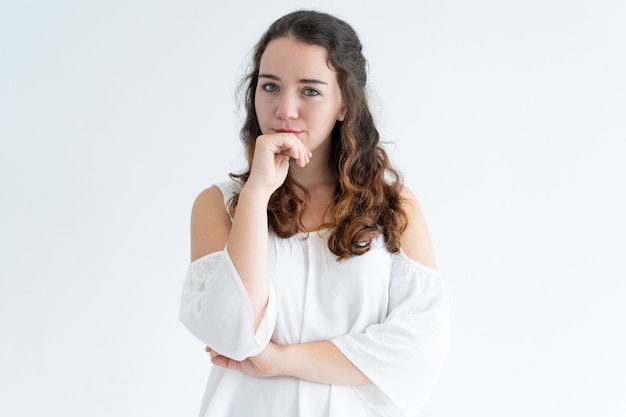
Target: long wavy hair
{"x":367,"y":199}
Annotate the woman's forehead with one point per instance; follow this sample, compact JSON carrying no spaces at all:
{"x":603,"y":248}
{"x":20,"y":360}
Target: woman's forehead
{"x":288,"y":55}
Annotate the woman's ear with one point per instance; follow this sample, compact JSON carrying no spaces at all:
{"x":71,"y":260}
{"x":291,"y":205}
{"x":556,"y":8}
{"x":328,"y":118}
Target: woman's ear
{"x":342,"y":113}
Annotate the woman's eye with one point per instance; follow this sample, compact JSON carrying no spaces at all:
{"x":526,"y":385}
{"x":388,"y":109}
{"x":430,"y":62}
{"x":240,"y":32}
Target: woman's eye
{"x":270,"y":87}
{"x":311,"y":92}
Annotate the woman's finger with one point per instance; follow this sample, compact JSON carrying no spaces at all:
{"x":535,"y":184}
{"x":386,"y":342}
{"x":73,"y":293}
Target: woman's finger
{"x":211,"y":352}
{"x":220,"y":361}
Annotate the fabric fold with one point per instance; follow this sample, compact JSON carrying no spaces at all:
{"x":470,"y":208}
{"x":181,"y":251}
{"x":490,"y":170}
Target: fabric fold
{"x":403,"y":356}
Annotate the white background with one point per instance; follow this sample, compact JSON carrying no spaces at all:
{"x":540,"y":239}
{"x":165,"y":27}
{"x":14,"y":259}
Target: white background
{"x":508,"y":119}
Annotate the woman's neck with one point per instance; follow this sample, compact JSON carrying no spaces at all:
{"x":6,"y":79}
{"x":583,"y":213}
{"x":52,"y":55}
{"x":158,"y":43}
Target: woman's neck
{"x":315,"y":177}
{"x":318,"y":173}
{"x":319,"y":180}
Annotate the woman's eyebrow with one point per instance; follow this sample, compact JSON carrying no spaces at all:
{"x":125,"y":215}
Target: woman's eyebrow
{"x":301,"y":81}
{"x":270,"y":76}
{"x":312,"y":81}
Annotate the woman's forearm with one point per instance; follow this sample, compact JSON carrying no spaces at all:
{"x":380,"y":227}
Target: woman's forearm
{"x":318,"y":362}
{"x":247,"y":248}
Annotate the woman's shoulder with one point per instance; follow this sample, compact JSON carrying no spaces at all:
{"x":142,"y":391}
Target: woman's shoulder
{"x":210,"y":221}
{"x":408,"y":200}
{"x":229,"y":188}
{"x":218,"y":192}
{"x":416,"y":243}
{"x":406,"y":193}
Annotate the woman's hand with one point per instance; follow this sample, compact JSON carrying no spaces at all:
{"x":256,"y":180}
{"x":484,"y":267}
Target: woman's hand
{"x":271,"y":160}
{"x":261,"y":365}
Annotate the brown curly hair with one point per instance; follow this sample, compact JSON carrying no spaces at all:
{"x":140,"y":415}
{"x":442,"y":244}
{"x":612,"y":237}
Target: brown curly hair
{"x":367,"y":198}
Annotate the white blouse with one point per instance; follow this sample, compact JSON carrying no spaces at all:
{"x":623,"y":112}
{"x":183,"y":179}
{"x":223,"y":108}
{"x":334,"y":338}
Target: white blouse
{"x":386,"y":313}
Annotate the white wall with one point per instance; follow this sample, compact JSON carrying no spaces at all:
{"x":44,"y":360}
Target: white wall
{"x":509,"y":123}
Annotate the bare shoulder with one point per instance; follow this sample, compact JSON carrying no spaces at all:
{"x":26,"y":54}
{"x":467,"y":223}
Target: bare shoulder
{"x":210,"y":223}
{"x":416,"y":242}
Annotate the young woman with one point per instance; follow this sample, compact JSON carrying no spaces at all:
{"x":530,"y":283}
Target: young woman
{"x":313,"y":280}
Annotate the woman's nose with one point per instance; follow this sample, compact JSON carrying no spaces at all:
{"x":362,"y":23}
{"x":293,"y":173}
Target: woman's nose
{"x":287,"y":107}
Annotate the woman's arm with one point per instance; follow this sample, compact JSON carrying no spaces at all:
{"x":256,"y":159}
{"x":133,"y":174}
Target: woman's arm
{"x":246,"y":238}
{"x":226,"y":298}
{"x":318,"y":362}
{"x":247,"y":242}
{"x":215,"y":306}
{"x":247,"y":248}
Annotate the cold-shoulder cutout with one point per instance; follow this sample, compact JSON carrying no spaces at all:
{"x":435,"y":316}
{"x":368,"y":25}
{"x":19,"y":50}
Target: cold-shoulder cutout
{"x":210,"y":223}
{"x":415,"y":242}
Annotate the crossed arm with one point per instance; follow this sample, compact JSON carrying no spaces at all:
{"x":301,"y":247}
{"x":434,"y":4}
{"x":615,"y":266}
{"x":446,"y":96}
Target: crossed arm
{"x":318,"y":362}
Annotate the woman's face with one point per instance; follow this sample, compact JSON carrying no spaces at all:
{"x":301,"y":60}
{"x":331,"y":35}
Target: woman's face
{"x":297,"y":92}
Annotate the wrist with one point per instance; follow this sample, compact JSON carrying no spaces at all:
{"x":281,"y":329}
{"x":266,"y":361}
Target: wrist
{"x":255,"y":193}
{"x":279,"y":361}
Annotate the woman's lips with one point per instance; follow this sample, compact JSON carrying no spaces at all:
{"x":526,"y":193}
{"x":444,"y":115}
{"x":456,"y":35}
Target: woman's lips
{"x":294,"y":131}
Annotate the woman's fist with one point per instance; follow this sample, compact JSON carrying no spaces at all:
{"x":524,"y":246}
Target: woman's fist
{"x":270,"y":163}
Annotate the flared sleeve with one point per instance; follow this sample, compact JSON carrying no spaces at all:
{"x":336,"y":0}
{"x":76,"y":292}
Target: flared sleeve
{"x":216,"y":309}
{"x":403,"y":356}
